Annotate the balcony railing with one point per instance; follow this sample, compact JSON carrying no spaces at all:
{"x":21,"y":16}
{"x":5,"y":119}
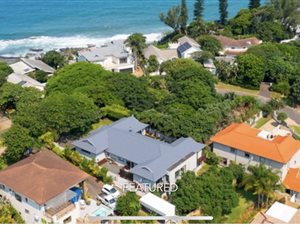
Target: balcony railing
{"x":61,"y":210}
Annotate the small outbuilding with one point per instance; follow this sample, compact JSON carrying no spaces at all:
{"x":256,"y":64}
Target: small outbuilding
{"x":157,"y":205}
{"x":281,"y":212}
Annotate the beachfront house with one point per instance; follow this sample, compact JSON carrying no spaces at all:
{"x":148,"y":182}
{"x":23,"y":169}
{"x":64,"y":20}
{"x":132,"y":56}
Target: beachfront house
{"x":23,"y":68}
{"x":25,"y":81}
{"x":136,"y":147}
{"x":43,"y":188}
{"x":187,"y":46}
{"x":183,"y":48}
{"x":235,"y":47}
{"x":113,"y":56}
{"x":245,"y":145}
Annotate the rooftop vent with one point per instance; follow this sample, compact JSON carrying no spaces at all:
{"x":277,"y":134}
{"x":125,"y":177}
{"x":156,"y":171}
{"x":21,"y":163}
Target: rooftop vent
{"x":266,"y":135}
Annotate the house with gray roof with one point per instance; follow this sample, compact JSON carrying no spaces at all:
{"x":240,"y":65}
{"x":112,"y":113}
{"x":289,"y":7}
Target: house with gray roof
{"x":114,"y":56}
{"x":187,"y":46}
{"x":148,"y":160}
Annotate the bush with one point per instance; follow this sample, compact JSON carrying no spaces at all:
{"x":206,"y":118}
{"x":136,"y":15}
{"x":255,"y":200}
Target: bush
{"x":9,"y":215}
{"x":115,"y":112}
{"x":210,"y":157}
{"x":54,"y":59}
{"x":5,"y":70}
{"x":128,"y":204}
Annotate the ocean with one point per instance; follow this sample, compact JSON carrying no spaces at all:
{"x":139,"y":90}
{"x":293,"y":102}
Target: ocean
{"x":49,"y":24}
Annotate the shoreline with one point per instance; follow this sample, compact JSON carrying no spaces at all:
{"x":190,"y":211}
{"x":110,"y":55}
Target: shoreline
{"x":20,"y":47}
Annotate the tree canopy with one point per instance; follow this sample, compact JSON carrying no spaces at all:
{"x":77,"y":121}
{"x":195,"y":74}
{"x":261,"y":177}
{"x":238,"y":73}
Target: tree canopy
{"x":128,"y":204}
{"x":54,"y":59}
{"x":5,"y":70}
{"x":197,"y":192}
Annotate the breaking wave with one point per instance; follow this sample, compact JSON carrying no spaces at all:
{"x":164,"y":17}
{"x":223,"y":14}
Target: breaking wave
{"x":19,"y":47}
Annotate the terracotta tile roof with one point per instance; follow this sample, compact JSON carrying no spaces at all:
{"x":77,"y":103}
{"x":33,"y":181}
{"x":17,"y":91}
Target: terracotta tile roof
{"x":243,"y":137}
{"x":292,"y":179}
{"x":41,"y":176}
{"x":230,"y":42}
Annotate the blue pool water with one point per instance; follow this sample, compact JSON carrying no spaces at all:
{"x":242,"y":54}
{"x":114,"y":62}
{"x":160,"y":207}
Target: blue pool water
{"x":61,"y":23}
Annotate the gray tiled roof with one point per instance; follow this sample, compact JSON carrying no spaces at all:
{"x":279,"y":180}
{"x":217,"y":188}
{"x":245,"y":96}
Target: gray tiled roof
{"x":38,"y":64}
{"x":113,"y":48}
{"x":153,"y":157}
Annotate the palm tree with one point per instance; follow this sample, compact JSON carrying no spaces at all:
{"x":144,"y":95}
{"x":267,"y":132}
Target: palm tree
{"x":263,"y":182}
{"x":137,"y":43}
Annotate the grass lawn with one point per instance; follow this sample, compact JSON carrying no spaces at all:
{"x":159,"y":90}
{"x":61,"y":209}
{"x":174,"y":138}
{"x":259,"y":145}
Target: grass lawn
{"x":234,"y":88}
{"x":296,"y":129}
{"x":101,"y":123}
{"x":262,"y":122}
{"x":244,"y":212}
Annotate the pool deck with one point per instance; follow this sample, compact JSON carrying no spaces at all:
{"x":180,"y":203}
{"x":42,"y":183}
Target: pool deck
{"x":89,"y":209}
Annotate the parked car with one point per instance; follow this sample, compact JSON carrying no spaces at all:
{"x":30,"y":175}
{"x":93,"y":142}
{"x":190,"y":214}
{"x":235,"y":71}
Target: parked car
{"x":110,"y":190}
{"x":107,"y":200}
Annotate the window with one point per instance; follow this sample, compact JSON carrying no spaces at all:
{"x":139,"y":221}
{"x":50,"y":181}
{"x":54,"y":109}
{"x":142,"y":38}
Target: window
{"x":233,"y":150}
{"x":68,"y":220}
{"x":27,"y":211}
{"x":26,"y":199}
{"x":2,"y":187}
{"x":18,"y":197}
{"x":224,"y":161}
{"x":123,"y":60}
{"x":247,"y":155}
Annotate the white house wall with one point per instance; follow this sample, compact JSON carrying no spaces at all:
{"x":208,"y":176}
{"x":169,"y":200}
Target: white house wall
{"x":190,"y":164}
{"x":33,"y":208}
{"x":239,"y":157}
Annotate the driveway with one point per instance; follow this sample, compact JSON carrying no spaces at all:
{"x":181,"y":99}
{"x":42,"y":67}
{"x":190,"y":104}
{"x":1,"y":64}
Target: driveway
{"x":264,"y":91}
{"x":93,"y":187}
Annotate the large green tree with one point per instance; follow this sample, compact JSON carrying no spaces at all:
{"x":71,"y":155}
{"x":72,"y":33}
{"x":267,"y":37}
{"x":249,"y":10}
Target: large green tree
{"x":254,"y":4}
{"x":60,"y":113}
{"x":17,"y":140}
{"x":5,"y":70}
{"x":295,"y":91}
{"x":197,"y":192}
{"x":223,"y":5}
{"x":171,"y":19}
{"x":198,"y":9}
{"x":184,"y":17}
{"x":210,"y":44}
{"x":54,"y":59}
{"x":137,"y":43}
{"x":263,"y":182}
{"x":250,"y":70}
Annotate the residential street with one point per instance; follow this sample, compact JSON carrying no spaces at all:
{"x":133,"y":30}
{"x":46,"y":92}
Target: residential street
{"x":265,"y":96}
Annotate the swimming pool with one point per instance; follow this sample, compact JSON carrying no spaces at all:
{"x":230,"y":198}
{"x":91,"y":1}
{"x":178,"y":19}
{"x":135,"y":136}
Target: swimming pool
{"x":102,"y":211}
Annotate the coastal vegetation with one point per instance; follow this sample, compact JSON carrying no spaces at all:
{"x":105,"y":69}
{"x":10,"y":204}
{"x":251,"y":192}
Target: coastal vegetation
{"x":9,"y":215}
{"x":182,"y":103}
{"x":54,"y":59}
{"x":232,"y":189}
{"x":5,"y":70}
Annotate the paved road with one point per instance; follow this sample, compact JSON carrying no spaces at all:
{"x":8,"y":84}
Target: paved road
{"x":264,"y":91}
{"x":292,"y":113}
{"x":265,"y":96}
